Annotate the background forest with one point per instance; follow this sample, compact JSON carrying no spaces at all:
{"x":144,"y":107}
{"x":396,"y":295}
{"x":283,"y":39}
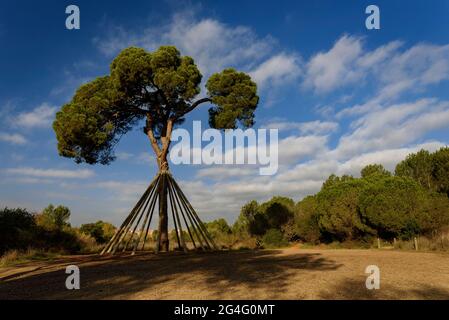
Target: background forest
{"x":378,"y":207}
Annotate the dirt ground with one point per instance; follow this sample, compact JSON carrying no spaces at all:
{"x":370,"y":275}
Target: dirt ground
{"x":265,"y":274}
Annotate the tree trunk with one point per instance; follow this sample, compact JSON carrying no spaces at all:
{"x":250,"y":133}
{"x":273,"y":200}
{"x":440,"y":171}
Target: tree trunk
{"x":161,"y":153}
{"x":163,"y":216}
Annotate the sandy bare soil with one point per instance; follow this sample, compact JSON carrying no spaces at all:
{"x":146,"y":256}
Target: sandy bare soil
{"x":266,"y":274}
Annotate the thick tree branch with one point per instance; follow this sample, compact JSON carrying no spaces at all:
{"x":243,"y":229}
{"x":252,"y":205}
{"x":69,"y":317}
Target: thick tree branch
{"x":194,"y":105}
{"x":166,"y":138}
{"x":153,"y":140}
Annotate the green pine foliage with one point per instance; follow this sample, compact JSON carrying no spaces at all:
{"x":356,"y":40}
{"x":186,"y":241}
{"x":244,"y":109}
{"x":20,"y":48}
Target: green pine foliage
{"x":159,"y":86}
{"x":378,"y":204}
{"x":412,"y":202}
{"x":274,"y":238}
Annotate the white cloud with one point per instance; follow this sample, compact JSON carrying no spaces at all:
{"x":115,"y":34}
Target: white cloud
{"x":123,"y":191}
{"x":213,"y":45}
{"x":372,"y":59}
{"x":276,"y":70}
{"x":329,"y":70}
{"x":389,"y":69}
{"x":145,"y":158}
{"x":295,"y":148}
{"x":40,"y":117}
{"x":393,"y":126}
{"x":50,"y":173}
{"x":316,"y":127}
{"x":124,"y":155}
{"x":222,"y":172}
{"x":423,"y":63}
{"x":313,"y":170}
{"x":141,"y":158}
{"x":388,"y":158}
{"x":321,"y":167}
{"x":13,"y":138}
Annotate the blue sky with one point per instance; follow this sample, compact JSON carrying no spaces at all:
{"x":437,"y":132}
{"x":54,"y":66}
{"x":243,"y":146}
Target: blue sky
{"x":342,"y":96}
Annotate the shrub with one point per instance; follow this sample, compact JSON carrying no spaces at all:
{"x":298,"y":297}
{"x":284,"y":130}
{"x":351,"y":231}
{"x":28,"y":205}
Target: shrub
{"x":391,"y":206}
{"x":88,"y":244}
{"x":278,"y":211}
{"x":9,"y":257}
{"x":247,"y":214}
{"x":274,"y":239}
{"x":101,"y":231}
{"x":17,"y":229}
{"x":173,"y":237}
{"x":54,"y":217}
{"x":306,"y":220}
{"x":67,"y":240}
{"x":218,"y":227}
{"x":257,"y":219}
{"x":337,"y":209}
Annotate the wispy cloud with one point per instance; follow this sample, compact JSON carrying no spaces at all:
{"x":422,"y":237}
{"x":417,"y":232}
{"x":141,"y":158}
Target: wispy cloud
{"x":278,"y":69}
{"x":140,"y":158}
{"x":214,"y":45}
{"x":50,"y":173}
{"x":40,"y":117}
{"x":13,"y":138}
{"x":311,"y":127}
{"x":123,"y":191}
{"x":334,"y":68}
{"x":388,"y":71}
{"x":393,"y":126}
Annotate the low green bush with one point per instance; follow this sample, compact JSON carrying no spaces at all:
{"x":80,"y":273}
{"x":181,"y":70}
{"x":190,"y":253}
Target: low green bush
{"x":274,"y":239}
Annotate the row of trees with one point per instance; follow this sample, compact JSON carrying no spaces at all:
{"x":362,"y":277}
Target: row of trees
{"x":413,"y":201}
{"x":430,"y":170}
{"x":48,"y":230}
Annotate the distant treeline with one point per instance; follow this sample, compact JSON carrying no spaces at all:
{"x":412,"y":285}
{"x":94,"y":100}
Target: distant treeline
{"x":411,"y":202}
{"x":49,"y":231}
{"x":414,"y":201}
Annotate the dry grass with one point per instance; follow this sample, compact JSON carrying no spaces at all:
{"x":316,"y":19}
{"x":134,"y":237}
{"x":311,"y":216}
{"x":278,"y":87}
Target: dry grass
{"x":8,"y":258}
{"x":15,"y":257}
{"x":246,"y":274}
{"x":88,"y":244}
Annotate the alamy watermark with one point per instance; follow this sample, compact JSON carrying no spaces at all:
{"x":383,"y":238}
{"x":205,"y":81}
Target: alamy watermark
{"x":73,"y":19}
{"x":373,"y":280}
{"x":373,"y":20}
{"x":73,"y":280}
{"x":233,"y":146}
{"x":72,"y":22}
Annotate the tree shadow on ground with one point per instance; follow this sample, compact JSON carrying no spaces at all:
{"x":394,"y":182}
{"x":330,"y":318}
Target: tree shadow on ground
{"x":355,"y":289}
{"x":103,"y":278}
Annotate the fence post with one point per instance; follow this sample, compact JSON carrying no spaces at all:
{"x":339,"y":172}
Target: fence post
{"x":394,"y":242}
{"x":442,"y":241}
{"x":378,"y":243}
{"x":416,"y":244}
